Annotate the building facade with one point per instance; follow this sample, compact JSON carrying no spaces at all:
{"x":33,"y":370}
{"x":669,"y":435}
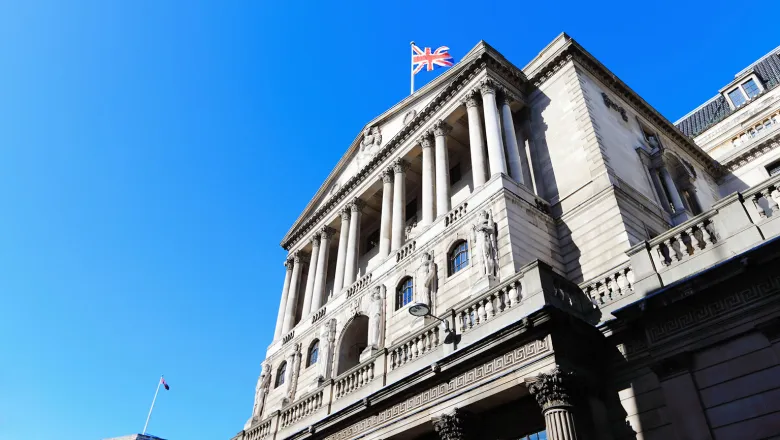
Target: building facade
{"x":537,"y":253}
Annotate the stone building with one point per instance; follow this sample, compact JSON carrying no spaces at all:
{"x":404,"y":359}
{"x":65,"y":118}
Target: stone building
{"x":589,"y":269}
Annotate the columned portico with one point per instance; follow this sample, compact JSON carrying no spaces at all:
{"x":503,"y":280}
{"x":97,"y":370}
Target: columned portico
{"x":440,"y":131}
{"x":292,"y":296}
{"x":322,"y":269}
{"x":492,"y":129}
{"x":553,"y":392}
{"x":288,"y":264}
{"x":427,"y":179}
{"x":310,"y":277}
{"x":341,"y":256}
{"x":399,"y":203}
{"x":386,"y":222}
{"x":512,"y":149}
{"x":353,"y":244}
{"x":476,"y":140}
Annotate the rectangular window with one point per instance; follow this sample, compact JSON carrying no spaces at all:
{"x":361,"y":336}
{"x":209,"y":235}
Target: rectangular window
{"x":736,"y":97}
{"x":750,"y":88}
{"x":773,"y":168}
{"x":411,"y":209}
{"x":455,"y":174}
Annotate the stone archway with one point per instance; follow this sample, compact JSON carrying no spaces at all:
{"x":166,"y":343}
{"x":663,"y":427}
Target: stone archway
{"x":354,"y":339}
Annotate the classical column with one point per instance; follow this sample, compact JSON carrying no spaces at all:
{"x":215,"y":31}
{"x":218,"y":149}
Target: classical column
{"x":386,"y":222}
{"x":672,"y":188}
{"x":453,"y":426}
{"x":292,"y":296}
{"x":353,"y":245}
{"x":512,"y":149}
{"x":440,"y":131}
{"x":553,"y":392}
{"x":320,"y":275}
{"x":399,"y":203}
{"x":427,"y":179}
{"x":492,"y":128}
{"x":341,"y":257}
{"x":310,"y":277}
{"x":476,"y":140}
{"x":288,"y":264}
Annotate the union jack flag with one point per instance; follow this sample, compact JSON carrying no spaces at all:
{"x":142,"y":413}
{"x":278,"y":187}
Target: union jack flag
{"x":431,"y":60}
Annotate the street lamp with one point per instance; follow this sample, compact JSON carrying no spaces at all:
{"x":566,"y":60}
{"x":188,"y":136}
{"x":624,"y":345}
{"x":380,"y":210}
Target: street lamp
{"x":420,"y":310}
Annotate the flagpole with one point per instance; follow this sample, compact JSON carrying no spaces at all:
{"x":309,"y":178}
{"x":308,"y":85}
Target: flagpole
{"x":152,"y":408}
{"x":411,"y":45}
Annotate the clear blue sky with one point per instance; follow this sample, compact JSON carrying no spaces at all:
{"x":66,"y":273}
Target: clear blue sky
{"x":154,"y":153}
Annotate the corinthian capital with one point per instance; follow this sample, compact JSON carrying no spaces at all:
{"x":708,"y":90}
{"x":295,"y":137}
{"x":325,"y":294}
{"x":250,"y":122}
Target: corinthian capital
{"x":345,"y":214}
{"x":300,"y":257}
{"x":426,"y":140}
{"x":357,"y":205}
{"x":504,"y":98}
{"x":441,"y":128}
{"x":487,"y":87}
{"x":554,"y":389}
{"x":471,"y":99}
{"x":454,"y":426}
{"x":326,"y":232}
{"x":315,"y":240}
{"x":288,"y":263}
{"x":400,"y":166}
{"x":387,"y":175}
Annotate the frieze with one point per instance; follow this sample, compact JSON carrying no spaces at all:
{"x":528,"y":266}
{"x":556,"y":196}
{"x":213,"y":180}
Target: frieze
{"x":710,"y":311}
{"x":508,"y":360}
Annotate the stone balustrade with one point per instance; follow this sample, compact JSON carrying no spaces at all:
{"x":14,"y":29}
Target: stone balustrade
{"x":489,"y":305}
{"x":405,"y":251}
{"x":455,"y":214}
{"x":354,"y":379}
{"x":261,"y":431}
{"x":302,"y":408}
{"x":684,"y":241}
{"x":319,"y":314}
{"x":414,"y":347}
{"x":610,"y":286}
{"x":765,"y":201}
{"x":359,"y":285}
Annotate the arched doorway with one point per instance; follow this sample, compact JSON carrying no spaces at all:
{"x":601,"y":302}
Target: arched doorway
{"x":353,"y":341}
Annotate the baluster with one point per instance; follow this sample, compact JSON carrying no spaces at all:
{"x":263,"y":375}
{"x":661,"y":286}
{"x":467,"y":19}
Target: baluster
{"x":371,"y":372}
{"x":517,"y":289}
{"x":609,"y":288}
{"x":436,"y":336}
{"x":666,"y":260}
{"x":490,"y":309}
{"x":756,"y":202}
{"x":621,"y":283}
{"x":480,"y":312}
{"x":418,"y":347}
{"x":709,"y":233}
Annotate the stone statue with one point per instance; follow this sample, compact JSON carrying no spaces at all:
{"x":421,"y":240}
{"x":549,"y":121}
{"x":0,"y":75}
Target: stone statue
{"x":426,"y":275}
{"x":375,"y":307}
{"x":327,"y":336}
{"x":263,"y":384}
{"x":372,"y":139}
{"x":484,"y":237}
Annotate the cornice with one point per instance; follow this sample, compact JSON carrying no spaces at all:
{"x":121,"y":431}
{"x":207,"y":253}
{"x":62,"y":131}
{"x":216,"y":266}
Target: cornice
{"x":573,"y":51}
{"x":757,"y":150}
{"x":488,"y":59}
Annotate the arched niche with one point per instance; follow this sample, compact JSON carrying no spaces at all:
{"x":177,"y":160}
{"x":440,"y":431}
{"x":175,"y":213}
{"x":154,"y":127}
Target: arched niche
{"x":354,"y":339}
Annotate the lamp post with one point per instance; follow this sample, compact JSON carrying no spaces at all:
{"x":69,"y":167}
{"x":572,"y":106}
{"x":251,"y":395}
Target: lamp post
{"x":420,"y":310}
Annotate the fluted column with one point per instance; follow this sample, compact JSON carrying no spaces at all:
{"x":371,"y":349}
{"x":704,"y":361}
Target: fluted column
{"x":672,"y":188}
{"x":288,"y":264}
{"x":292,"y":296}
{"x":386,"y":222}
{"x":427,"y":179}
{"x":353,"y":245}
{"x":341,"y":256}
{"x":440,"y":131}
{"x":320,"y":281}
{"x":311,"y":275}
{"x":492,"y":128}
{"x":399,"y":203}
{"x":554,"y":393}
{"x":512,"y":149}
{"x":476,"y":140}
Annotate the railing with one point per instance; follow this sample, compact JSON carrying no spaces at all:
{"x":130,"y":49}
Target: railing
{"x":301,"y":409}
{"x":261,"y":431}
{"x":405,"y":251}
{"x":611,"y":286}
{"x":684,"y":241}
{"x":318,"y":315}
{"x":415,"y":347}
{"x":288,"y":337}
{"x":359,"y":285}
{"x":490,"y":305}
{"x":765,"y":201}
{"x":455,"y":214}
{"x":355,"y":379}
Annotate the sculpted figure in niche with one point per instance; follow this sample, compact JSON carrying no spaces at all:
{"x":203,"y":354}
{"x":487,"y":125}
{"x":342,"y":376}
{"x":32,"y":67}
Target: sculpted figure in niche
{"x":375,"y":308}
{"x":327,"y":336}
{"x":486,"y":246}
{"x":426,"y":275}
{"x":372,"y":139}
{"x":263,"y":383}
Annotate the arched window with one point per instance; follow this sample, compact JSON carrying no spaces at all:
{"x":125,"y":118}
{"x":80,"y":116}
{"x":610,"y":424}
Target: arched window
{"x":314,"y":351}
{"x":280,"y":373}
{"x":459,"y":256}
{"x":405,"y":293}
